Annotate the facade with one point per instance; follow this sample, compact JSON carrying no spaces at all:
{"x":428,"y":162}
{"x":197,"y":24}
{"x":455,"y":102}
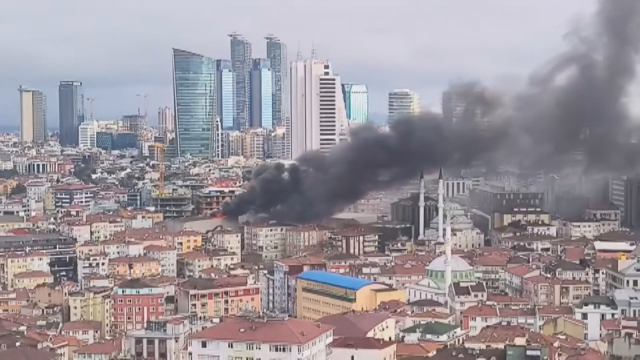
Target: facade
{"x":92,"y":305}
{"x":214,"y":298}
{"x":356,"y":100}
{"x":33,"y":115}
{"x":135,"y":302}
{"x":210,"y":200}
{"x":167,"y":256}
{"x":403,"y":102}
{"x":161,"y":339}
{"x":266,"y":240}
{"x":194,"y":88}
{"x":321,"y":293}
{"x":166,"y":121}
{"x":60,"y":250}
{"x":241,"y":65}
{"x":263,"y":339}
{"x":284,"y":285}
{"x":73,"y":194}
{"x":135,"y":266}
{"x":277,"y":55}
{"x":318,"y":113}
{"x":254,"y":143}
{"x":261,"y":95}
{"x":593,"y":310}
{"x":87,"y":138}
{"x":31,"y":279}
{"x":104,"y":140}
{"x":225,"y":94}
{"x":356,"y":241}
{"x":71,"y":111}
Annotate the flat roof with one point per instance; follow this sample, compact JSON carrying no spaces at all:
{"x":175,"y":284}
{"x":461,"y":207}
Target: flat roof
{"x":341,"y":281}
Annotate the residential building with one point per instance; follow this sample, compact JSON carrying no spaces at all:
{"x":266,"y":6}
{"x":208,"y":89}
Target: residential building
{"x":223,"y":259}
{"x":92,"y":305}
{"x":230,"y":240}
{"x":71,"y":111}
{"x":456,"y":106}
{"x":446,"y":334}
{"x":300,"y":239}
{"x":162,"y":339}
{"x":514,"y":278}
{"x":136,"y":302}
{"x":60,"y":250}
{"x":373,"y":324}
{"x":346,"y":348}
{"x":403,"y":102}
{"x":190,"y":264}
{"x":12,"y":301}
{"x":321,"y":293}
{"x":105,"y":350}
{"x":88,"y":265}
{"x":254,"y":143}
{"x":267,"y":240}
{"x":261,"y":94}
{"x":15,"y":264}
{"x":277,"y":55}
{"x":166,"y":122}
{"x":318,"y":113}
{"x":87,"y":331}
{"x":628,"y":302}
{"x":491,"y":271}
{"x":33,"y":115}
{"x":167,"y":256}
{"x":356,"y":100}
{"x":215,"y":298}
{"x":73,"y":194}
{"x":134,"y":266}
{"x":262,"y":339}
{"x":194,"y":90}
{"x":31,"y":279}
{"x":87,"y":134}
{"x":543,"y":290}
{"x":241,"y":66}
{"x":283,"y":288}
{"x":593,"y":310}
{"x":356,"y":241}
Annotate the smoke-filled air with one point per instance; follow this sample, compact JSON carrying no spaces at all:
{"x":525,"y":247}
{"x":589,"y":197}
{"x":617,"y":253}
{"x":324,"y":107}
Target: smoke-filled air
{"x":576,"y":102}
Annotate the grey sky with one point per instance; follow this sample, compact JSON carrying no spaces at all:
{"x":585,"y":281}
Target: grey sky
{"x":119,"y":48}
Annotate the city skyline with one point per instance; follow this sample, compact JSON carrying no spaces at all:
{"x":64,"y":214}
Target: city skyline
{"x":114,"y":80}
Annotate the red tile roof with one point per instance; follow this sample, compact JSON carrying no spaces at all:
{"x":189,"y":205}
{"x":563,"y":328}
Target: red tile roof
{"x":288,"y":331}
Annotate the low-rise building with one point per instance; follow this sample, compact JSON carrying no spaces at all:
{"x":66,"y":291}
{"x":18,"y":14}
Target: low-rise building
{"x":136,"y":302}
{"x":161,"y":339}
{"x":593,"y":310}
{"x":31,"y":279}
{"x":85,"y":330}
{"x":357,"y":241}
{"x":231,"y":240}
{"x":347,"y":348}
{"x":167,"y":256}
{"x":215,"y":298}
{"x":138,"y":266}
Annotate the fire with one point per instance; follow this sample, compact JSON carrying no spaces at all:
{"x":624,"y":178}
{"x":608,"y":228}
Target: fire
{"x":220,"y":216}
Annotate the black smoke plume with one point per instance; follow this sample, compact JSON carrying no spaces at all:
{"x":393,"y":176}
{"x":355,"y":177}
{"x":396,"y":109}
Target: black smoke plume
{"x":576,"y":102}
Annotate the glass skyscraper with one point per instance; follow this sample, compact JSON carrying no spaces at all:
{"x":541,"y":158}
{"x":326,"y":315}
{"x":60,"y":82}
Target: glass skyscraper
{"x":194,"y":90}
{"x":261,"y":100}
{"x":356,"y":100}
{"x":71,"y":111}
{"x":277,"y":55}
{"x":225,"y":96}
{"x":241,"y":65}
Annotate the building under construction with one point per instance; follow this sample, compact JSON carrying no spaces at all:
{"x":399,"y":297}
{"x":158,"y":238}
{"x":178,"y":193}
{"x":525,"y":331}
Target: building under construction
{"x":210,"y":200}
{"x":172,"y":202}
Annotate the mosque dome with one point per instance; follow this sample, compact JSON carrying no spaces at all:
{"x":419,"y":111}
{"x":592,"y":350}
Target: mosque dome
{"x":457,"y":264}
{"x":460,"y":271}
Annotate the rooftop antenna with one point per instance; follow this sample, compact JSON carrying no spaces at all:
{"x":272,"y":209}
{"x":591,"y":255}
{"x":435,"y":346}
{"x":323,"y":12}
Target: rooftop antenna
{"x":299,"y":54}
{"x":314,"y":55}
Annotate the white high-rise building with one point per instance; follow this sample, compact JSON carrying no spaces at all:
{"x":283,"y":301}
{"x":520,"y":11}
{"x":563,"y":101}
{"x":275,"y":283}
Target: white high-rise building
{"x":166,"y":122}
{"x":318,"y":112}
{"x":403,"y":102}
{"x":33,"y":115}
{"x":87,"y":134}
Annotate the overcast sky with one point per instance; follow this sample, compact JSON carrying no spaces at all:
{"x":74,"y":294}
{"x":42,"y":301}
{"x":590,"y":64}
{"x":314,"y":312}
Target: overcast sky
{"x":119,"y":48}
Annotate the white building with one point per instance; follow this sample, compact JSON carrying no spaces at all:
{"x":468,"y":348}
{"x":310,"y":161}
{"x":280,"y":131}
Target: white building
{"x":348,"y":348}
{"x":457,"y":187}
{"x":96,"y":264}
{"x":254,"y":143}
{"x":592,"y":310}
{"x":318,"y":112}
{"x":33,"y":115}
{"x":267,"y":240}
{"x":163,"y":339}
{"x":84,"y":330}
{"x":36,"y":190}
{"x":403,"y":102}
{"x":167,"y":256}
{"x":87,"y":134}
{"x":464,"y":236}
{"x":262,"y":339}
{"x":229,"y":240}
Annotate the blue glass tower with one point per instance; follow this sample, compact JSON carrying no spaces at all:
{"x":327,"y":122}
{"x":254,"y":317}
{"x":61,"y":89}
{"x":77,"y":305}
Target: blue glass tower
{"x":71,"y":111}
{"x":194,"y":94}
{"x":277,"y":54}
{"x":356,"y":101}
{"x":261,"y":114}
{"x":225,"y":94}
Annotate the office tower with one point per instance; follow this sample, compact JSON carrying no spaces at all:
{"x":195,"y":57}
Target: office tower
{"x":241,"y":65}
{"x":70,"y":110}
{"x":317,"y":107}
{"x":194,"y":87}
{"x":261,"y":97}
{"x":87,"y":134}
{"x":33,"y":115}
{"x":104,"y":140}
{"x":277,"y":55}
{"x":356,"y":100}
{"x":403,"y":102}
{"x":166,"y":121}
{"x":225,"y":95}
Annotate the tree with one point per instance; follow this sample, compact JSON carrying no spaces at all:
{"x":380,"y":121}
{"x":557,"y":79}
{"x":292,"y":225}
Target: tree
{"x":18,"y":189}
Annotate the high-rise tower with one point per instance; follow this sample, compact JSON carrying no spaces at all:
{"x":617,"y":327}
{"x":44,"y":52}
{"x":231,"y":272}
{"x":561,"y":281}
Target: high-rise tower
{"x":71,"y":111}
{"x":261,"y":100}
{"x":225,"y":94}
{"x":241,"y":65}
{"x":356,"y":100}
{"x":277,"y":55}
{"x":33,"y":115}
{"x":421,"y":205}
{"x":403,"y":102}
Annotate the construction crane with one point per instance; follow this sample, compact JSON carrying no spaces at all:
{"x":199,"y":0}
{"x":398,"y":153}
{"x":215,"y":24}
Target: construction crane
{"x":144,"y":103}
{"x":90,"y":101}
{"x":159,"y":147}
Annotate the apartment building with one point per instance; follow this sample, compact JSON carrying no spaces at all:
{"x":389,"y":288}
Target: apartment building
{"x":12,"y":301}
{"x":135,"y":302}
{"x":301,"y":238}
{"x":21,"y":263}
{"x":543,"y":290}
{"x":267,"y":240}
{"x":222,"y":258}
{"x":167,"y":256}
{"x":219,"y":297}
{"x":282,"y":290}
{"x":92,"y":305}
{"x":95,"y":264}
{"x":593,"y":310}
{"x":31,"y":279}
{"x":138,"y":266}
{"x":491,"y":269}
{"x":230,"y":240}
{"x":190,"y":264}
{"x":87,"y":331}
{"x":514,"y":278}
{"x":356,"y":241}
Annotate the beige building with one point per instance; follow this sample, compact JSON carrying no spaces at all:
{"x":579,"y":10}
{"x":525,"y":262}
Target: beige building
{"x":31,"y":279}
{"x":92,"y":305}
{"x":33,"y":119}
{"x":7,"y":185}
{"x":403,"y":102}
{"x":543,"y":290}
{"x":529,"y":215}
{"x":22,"y":263}
{"x":320,"y":293}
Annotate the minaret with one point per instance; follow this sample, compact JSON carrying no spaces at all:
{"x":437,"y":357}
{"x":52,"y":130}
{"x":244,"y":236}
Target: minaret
{"x":421,"y":206}
{"x":447,"y":259}
{"x":440,"y":208}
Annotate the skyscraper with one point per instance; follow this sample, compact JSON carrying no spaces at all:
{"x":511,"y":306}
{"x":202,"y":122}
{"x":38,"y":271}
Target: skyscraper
{"x":403,"y":102}
{"x":33,"y":115}
{"x":261,"y":99}
{"x":317,"y":107}
{"x":71,"y":111}
{"x":241,"y":65}
{"x":356,"y":100}
{"x":166,"y":121}
{"x":87,"y":134}
{"x":225,"y":95}
{"x":194,"y":86}
{"x":277,"y":55}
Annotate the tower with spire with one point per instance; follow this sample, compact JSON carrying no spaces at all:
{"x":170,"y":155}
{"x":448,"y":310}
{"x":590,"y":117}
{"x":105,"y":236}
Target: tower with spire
{"x":440,"y":208}
{"x":421,"y":205}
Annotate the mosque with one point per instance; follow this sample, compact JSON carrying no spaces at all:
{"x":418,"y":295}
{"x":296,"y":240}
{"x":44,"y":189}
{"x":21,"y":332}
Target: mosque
{"x":445,"y":270}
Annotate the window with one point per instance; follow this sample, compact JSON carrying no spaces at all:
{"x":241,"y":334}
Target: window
{"x":230,"y":346}
{"x":585,"y":316}
{"x":203,"y":344}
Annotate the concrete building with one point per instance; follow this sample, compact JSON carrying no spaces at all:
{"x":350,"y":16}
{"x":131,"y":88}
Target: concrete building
{"x":135,"y":302}
{"x":347,"y":348}
{"x":320,"y":293}
{"x":254,"y":143}
{"x":166,"y":122}
{"x":33,"y":115}
{"x":15,"y":264}
{"x":92,"y":305}
{"x":87,"y":331}
{"x":215,"y":298}
{"x":209,"y":200}
{"x":261,"y":95}
{"x":593,"y":310}
{"x":167,"y":256}
{"x":241,"y":66}
{"x":87,"y":134}
{"x":71,"y":111}
{"x":284,"y":283}
{"x":161,"y":339}
{"x":267,"y":240}
{"x":318,"y":112}
{"x":262,"y":339}
{"x":403,"y":102}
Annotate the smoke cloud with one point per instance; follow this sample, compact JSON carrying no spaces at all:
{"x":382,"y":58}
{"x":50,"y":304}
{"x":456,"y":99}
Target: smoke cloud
{"x":576,"y":102}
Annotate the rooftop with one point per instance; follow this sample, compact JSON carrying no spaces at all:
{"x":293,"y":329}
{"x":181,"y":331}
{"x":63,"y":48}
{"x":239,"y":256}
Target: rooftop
{"x":331,"y":279}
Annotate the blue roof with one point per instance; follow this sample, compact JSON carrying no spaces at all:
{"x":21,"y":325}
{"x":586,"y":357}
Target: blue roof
{"x":341,"y":281}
